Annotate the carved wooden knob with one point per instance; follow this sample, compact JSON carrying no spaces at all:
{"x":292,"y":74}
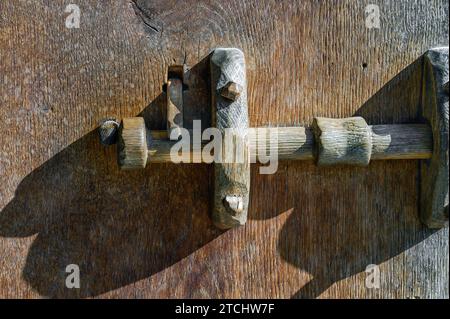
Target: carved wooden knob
{"x":132,"y":148}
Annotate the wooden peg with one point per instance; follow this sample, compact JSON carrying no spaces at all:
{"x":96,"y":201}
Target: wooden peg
{"x":232,"y":91}
{"x":108,"y":131}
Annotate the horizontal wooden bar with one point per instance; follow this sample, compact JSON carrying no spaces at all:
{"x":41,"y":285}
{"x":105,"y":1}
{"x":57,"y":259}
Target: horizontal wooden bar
{"x":389,"y":142}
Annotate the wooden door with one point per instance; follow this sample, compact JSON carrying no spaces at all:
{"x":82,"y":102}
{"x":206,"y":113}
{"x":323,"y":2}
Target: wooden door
{"x":147,"y":234}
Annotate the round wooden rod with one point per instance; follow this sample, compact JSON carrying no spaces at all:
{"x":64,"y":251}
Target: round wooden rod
{"x":389,"y":142}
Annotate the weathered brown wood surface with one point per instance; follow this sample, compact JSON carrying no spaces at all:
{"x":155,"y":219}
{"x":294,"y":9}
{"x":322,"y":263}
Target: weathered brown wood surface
{"x":311,"y":231}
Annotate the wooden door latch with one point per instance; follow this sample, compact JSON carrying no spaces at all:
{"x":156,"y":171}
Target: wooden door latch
{"x":349,"y":141}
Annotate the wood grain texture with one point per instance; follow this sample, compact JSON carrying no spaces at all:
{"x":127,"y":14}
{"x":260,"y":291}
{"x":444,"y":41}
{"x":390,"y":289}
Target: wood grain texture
{"x":311,"y":231}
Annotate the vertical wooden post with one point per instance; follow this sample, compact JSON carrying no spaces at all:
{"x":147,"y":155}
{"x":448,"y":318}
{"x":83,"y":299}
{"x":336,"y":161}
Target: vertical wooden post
{"x":230,"y":116}
{"x":175,"y":102}
{"x":434,"y":172}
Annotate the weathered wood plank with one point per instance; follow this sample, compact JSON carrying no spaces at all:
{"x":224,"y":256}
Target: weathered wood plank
{"x":311,"y":231}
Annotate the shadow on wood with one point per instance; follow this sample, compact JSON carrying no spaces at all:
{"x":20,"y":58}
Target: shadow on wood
{"x":85,"y":211}
{"x":333,"y":208}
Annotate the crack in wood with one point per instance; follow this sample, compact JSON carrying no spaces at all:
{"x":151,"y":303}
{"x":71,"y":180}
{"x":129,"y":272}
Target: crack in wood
{"x":143,"y":15}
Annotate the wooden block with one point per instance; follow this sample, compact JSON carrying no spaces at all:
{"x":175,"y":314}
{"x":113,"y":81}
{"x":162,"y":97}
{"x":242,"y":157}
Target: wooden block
{"x":230,"y":113}
{"x":434,"y":172}
{"x":132,"y":150}
{"x":342,"y":141}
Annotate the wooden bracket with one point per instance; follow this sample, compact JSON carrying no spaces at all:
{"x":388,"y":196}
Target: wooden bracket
{"x":349,"y":141}
{"x":230,"y":116}
{"x":434,"y":172}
